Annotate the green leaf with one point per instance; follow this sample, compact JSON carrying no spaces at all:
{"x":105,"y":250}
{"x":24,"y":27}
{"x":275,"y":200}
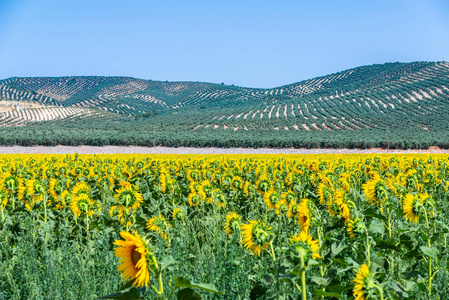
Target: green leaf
{"x":372,"y":213}
{"x":184,"y":282}
{"x":319,"y":293}
{"x":319,"y":280}
{"x":166,"y":262}
{"x":132,"y":294}
{"x":376,"y":227}
{"x":432,"y":252}
{"x":188,"y":294}
{"x":337,"y":248}
{"x":382,"y":244}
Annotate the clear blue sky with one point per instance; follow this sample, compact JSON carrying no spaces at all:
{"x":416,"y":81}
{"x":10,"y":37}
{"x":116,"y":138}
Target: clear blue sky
{"x":246,"y":43}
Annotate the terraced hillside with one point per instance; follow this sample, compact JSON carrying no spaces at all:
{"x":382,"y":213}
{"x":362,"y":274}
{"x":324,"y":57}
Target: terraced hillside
{"x":365,"y":104}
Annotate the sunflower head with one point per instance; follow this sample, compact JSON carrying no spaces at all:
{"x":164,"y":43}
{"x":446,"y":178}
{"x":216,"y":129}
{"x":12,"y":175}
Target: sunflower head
{"x":303,"y":247}
{"x":256,"y":236}
{"x":160,"y":225}
{"x":355,"y":227}
{"x":178,"y":214}
{"x":136,"y":259}
{"x":232,"y":223}
{"x":363,"y":284}
{"x":128,"y":197}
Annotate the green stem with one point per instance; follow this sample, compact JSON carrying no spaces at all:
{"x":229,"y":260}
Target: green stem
{"x":161,"y":285}
{"x":380,"y":291}
{"x":368,"y":258}
{"x":272,"y":251}
{"x":429,"y":244}
{"x":303,"y":276}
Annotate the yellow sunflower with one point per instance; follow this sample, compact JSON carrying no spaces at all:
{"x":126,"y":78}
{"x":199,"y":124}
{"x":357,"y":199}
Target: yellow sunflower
{"x":128,"y":197}
{"x":83,"y":205}
{"x":411,"y":206}
{"x":136,"y":259}
{"x":178,"y":214}
{"x":303,"y":244}
{"x":272,"y":198}
{"x":232,"y":223}
{"x":81,"y":188}
{"x":362,"y":279}
{"x":256,"y":236}
{"x":159,"y":225}
{"x":303,"y":215}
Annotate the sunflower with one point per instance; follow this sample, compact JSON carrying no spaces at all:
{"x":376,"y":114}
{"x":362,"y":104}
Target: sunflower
{"x":362,"y":280}
{"x":163,"y":182}
{"x":160,"y":225}
{"x":237,"y":183}
{"x":303,"y":215}
{"x":55,"y":187}
{"x":232,"y":223}
{"x":355,"y":227}
{"x":325,"y":193}
{"x":194,"y":199}
{"x":36,"y":189}
{"x":411,"y":206}
{"x":303,"y":245}
{"x":263,"y":184}
{"x":272,"y":198}
{"x":292,"y":208}
{"x":256,"y":236}
{"x":128,"y":198}
{"x":136,"y":259}
{"x":375,"y":189}
{"x":342,"y":205}
{"x":83,"y":205}
{"x":81,"y":188}
{"x":178,"y":214}
{"x":9,"y":182}
{"x":205,"y":189}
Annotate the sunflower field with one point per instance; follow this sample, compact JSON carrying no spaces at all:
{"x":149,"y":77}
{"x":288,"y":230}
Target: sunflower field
{"x":224,"y":226}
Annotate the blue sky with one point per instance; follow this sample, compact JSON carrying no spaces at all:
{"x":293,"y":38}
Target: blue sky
{"x":246,"y":43}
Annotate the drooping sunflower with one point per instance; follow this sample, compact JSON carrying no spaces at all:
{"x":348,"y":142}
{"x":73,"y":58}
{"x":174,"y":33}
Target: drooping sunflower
{"x":354,"y":227}
{"x":272,"y":198}
{"x":55,"y":187}
{"x":263,"y":184}
{"x":81,"y":188}
{"x":256,"y":236}
{"x":136,"y":259}
{"x":194,"y":199}
{"x":303,"y":215}
{"x":160,"y":225}
{"x":303,"y":244}
{"x":237,"y":183}
{"x":343,"y":207}
{"x":375,"y":189}
{"x":128,"y":197}
{"x":362,"y":279}
{"x":232,"y":223}
{"x":178,"y":214}
{"x":83,"y":205}
{"x":411,"y":206}
{"x":205,"y":189}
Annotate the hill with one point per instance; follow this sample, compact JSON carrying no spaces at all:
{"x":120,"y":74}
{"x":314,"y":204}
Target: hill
{"x":393,"y":104}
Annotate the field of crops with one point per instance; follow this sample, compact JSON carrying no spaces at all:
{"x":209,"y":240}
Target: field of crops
{"x":358,"y":226}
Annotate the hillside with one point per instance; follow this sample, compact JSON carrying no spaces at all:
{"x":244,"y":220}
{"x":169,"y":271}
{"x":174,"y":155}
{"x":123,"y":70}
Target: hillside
{"x":401,"y":100}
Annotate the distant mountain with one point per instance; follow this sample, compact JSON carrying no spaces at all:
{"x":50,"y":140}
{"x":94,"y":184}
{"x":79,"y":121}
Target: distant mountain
{"x":391,"y":96}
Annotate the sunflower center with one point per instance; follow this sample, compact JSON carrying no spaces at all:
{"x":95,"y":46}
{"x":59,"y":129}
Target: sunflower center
{"x":135,"y":256}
